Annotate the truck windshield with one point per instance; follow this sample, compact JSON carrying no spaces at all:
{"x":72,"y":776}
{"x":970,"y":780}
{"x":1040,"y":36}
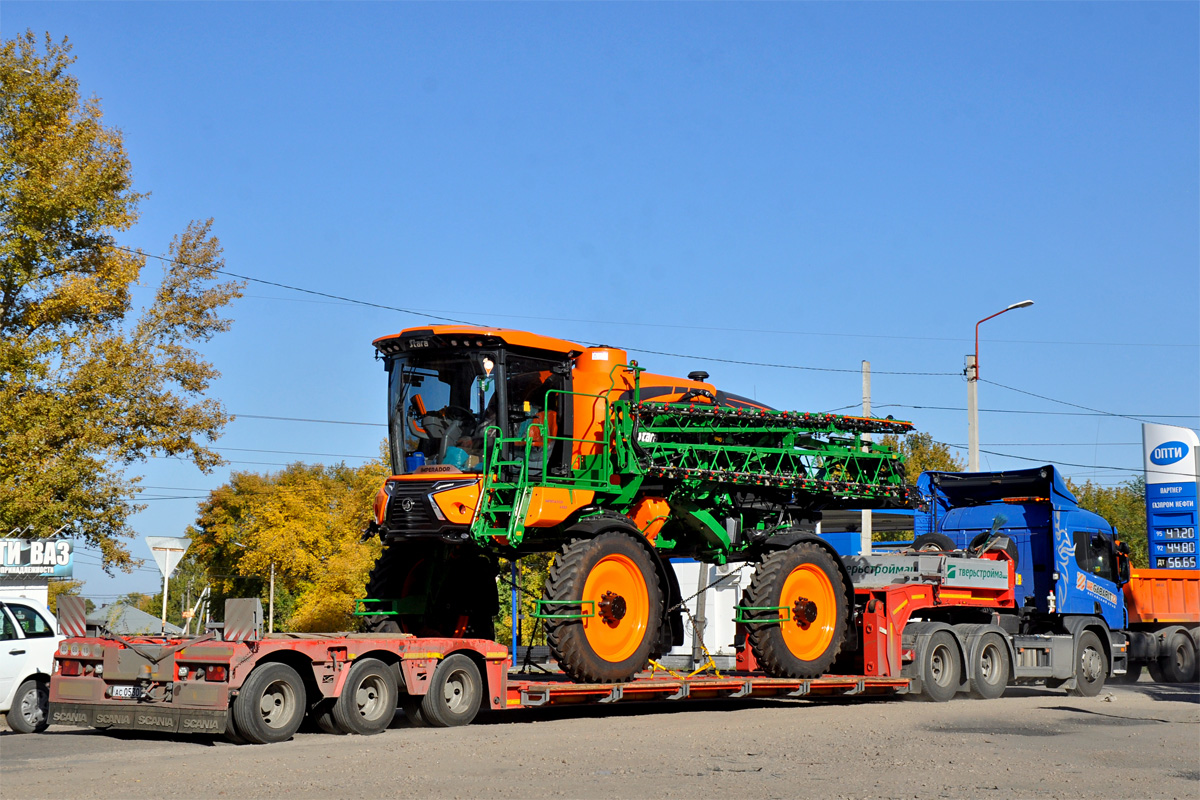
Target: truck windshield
{"x":438,"y":408}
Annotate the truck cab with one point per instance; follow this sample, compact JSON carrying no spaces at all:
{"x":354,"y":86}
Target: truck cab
{"x":1069,"y":560}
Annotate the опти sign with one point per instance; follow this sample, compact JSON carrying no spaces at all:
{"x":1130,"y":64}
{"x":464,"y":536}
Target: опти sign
{"x":1172,"y":463}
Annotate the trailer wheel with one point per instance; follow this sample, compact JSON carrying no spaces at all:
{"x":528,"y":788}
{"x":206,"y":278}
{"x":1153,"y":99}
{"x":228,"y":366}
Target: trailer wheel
{"x":941,"y":668}
{"x":805,"y":623}
{"x":270,"y":706}
{"x":323,"y":717}
{"x":455,"y":691}
{"x":368,"y":699}
{"x":621,"y":608}
{"x":410,"y":704}
{"x":30,"y":707}
{"x":1091,"y":666}
{"x":1179,"y":663}
{"x":989,"y":668}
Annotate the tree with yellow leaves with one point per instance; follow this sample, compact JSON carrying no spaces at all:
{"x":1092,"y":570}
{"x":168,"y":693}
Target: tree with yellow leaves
{"x":89,"y":385}
{"x":308,"y":521}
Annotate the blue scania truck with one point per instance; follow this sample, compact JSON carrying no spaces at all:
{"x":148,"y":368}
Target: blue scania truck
{"x":1073,"y":575}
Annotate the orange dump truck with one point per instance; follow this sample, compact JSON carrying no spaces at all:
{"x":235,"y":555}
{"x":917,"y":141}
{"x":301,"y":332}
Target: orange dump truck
{"x":1164,"y":624}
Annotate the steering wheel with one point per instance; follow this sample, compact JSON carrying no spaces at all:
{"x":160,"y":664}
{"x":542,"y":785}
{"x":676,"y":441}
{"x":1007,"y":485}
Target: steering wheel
{"x":458,"y":413}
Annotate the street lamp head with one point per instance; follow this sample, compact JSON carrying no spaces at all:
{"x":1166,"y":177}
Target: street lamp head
{"x":1022,"y":304}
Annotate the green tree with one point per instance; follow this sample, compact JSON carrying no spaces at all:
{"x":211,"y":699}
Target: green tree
{"x":1125,"y":507}
{"x":65,"y":587}
{"x":922,"y":453}
{"x":88,"y":386}
{"x":308,"y":522}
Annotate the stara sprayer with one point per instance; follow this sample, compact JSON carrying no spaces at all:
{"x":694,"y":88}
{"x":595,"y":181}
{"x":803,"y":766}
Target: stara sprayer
{"x":505,"y":443}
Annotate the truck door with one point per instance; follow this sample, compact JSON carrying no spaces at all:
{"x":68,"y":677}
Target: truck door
{"x":1096,"y":587}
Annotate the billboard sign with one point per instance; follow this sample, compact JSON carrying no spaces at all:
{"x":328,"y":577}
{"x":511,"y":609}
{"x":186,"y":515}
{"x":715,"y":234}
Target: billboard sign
{"x":1172,"y":464}
{"x":37,"y":558}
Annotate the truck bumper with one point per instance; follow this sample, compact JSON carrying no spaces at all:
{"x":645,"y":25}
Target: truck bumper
{"x":124,"y":716}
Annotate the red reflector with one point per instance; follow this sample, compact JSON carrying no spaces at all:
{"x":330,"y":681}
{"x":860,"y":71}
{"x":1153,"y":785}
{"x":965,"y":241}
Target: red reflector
{"x":70,"y":668}
{"x":216,"y":673}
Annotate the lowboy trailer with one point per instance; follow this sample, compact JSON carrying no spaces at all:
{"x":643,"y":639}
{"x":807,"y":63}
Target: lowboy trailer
{"x":235,"y":681}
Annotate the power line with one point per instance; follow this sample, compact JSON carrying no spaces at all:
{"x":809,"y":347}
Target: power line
{"x":1062,"y":402}
{"x":459,"y":321}
{"x":1061,"y":463}
{"x":303,"y":419}
{"x":1039,"y":413}
{"x":625,"y":324}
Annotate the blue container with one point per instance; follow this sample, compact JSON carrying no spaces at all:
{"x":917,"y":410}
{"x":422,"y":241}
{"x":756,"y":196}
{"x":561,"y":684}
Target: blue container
{"x":415,"y":461}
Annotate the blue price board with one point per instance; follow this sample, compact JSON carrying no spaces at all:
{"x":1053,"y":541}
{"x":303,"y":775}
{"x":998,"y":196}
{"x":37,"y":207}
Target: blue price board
{"x":1171,"y":472}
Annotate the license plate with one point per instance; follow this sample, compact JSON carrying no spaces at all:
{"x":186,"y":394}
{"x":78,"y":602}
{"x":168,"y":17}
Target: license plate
{"x":128,"y":692}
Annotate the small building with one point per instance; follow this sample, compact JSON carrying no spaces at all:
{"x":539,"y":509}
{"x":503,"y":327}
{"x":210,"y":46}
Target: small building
{"x":125,"y":620}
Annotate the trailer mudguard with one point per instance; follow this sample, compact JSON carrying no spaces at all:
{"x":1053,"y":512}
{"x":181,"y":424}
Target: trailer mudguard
{"x":916,"y":638}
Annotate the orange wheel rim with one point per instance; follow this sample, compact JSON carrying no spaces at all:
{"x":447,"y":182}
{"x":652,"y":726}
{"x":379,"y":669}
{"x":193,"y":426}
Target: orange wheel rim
{"x":809,"y":614}
{"x":620,"y":599}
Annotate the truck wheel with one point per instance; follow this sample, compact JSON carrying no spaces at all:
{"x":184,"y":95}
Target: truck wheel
{"x":933,"y":543}
{"x":455,"y":690}
{"x":803,"y":588}
{"x":410,"y":704}
{"x":270,"y":706}
{"x":1091,"y":666}
{"x":941,"y":668}
{"x":622,"y":602}
{"x":30,"y":707}
{"x":990,"y":670}
{"x":1179,"y":663}
{"x":368,"y":699}
{"x":1132,"y":673}
{"x":322,"y":716}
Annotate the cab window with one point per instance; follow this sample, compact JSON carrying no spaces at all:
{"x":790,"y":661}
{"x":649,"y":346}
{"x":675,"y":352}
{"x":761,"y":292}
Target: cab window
{"x":1094,"y":554}
{"x":32,"y":623}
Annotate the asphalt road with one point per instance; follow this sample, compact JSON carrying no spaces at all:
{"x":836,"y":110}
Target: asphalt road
{"x":1130,"y":742}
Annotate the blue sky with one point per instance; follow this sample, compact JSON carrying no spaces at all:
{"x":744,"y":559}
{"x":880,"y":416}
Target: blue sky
{"x":808,"y":184}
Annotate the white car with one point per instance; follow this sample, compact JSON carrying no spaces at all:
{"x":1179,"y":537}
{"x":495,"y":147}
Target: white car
{"x":29,"y":637}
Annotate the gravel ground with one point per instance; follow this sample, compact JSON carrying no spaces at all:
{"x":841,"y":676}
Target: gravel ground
{"x":1130,"y":742}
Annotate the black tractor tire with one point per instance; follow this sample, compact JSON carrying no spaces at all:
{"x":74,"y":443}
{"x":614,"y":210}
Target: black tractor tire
{"x":942,"y":668}
{"x":990,"y":668}
{"x":270,"y":705}
{"x":1091,"y":666}
{"x":1179,"y":663}
{"x":804,"y":637}
{"x":387,"y":580}
{"x":455,"y":693}
{"x":462,"y":607}
{"x":30,"y":712}
{"x":1132,"y":673}
{"x":367,"y":703}
{"x":614,"y":643}
{"x":933,"y":543}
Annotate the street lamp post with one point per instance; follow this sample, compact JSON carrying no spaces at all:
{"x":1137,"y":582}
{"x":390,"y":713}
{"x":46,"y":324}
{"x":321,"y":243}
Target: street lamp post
{"x":973,"y":391}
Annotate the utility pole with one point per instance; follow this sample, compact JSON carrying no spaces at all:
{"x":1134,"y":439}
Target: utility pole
{"x":972,"y":415}
{"x":973,"y":391}
{"x":865,"y":534}
{"x":271,"y":624}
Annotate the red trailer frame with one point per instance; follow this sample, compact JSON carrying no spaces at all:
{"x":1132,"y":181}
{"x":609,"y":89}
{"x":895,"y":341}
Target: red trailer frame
{"x":189,"y":685}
